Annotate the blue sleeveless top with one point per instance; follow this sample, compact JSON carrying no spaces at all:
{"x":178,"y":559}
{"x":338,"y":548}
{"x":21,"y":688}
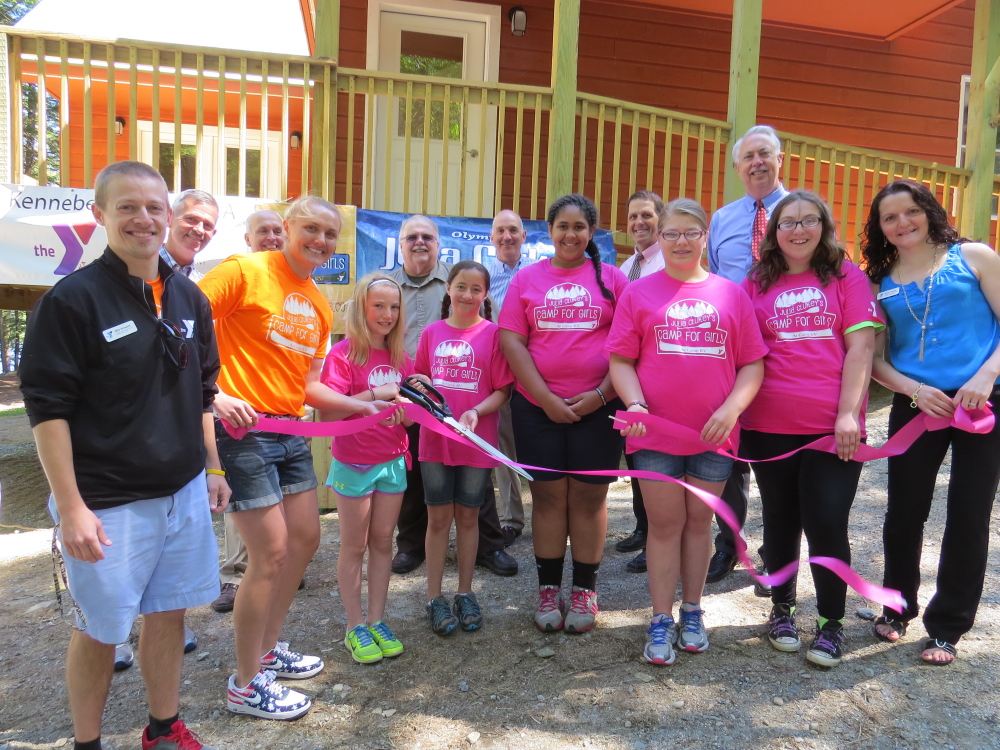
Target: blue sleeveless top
{"x":962,"y":331}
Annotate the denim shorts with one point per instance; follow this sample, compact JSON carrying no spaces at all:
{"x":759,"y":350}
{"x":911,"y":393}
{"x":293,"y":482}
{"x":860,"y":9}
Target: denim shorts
{"x":163,"y":556}
{"x":388,"y":478}
{"x":263,"y":467}
{"x":444,"y":485}
{"x":707,"y":466}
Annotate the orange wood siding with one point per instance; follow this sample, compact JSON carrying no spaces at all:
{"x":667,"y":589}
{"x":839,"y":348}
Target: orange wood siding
{"x":900,"y":96}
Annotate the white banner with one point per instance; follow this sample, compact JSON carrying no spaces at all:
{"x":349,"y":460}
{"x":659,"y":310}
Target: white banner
{"x":47,"y":232}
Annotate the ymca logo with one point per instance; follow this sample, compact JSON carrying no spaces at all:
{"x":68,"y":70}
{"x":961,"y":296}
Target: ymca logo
{"x":73,"y":239}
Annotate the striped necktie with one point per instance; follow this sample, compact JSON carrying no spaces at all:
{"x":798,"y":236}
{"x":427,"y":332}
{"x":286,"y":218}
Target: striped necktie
{"x":757,"y":234}
{"x":636,"y":269}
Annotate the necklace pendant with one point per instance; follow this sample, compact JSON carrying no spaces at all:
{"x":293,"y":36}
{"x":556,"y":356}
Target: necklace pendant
{"x":921,"y":348}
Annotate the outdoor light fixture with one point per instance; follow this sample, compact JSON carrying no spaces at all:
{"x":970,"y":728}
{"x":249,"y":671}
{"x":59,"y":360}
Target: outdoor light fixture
{"x":119,"y":125}
{"x":518,"y":20}
{"x":295,"y":139}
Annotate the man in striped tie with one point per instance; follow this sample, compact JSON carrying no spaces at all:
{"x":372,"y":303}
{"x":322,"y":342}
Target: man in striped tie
{"x":734,"y":237}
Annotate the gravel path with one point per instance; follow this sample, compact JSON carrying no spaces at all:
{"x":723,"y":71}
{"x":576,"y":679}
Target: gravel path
{"x":509,"y":686}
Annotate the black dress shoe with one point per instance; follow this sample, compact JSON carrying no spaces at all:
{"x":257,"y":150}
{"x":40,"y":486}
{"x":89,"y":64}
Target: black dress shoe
{"x":634,"y":541}
{"x":761,"y":589}
{"x":510,"y":535}
{"x":404,"y":562}
{"x":720,"y":566}
{"x":498,"y":562}
{"x":637,"y":564}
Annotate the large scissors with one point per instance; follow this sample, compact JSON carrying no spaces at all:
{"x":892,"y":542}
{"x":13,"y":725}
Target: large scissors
{"x":424,"y":394}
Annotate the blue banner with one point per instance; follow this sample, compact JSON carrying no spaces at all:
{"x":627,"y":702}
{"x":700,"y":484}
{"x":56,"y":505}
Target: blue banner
{"x":461,"y":239}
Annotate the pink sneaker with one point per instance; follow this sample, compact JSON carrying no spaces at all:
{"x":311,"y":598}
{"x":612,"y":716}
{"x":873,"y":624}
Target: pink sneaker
{"x":548,"y":614}
{"x":582,"y":610}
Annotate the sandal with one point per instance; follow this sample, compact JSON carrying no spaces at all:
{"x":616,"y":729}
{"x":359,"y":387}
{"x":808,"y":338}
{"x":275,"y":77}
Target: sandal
{"x":898,"y":628}
{"x":935,"y":644}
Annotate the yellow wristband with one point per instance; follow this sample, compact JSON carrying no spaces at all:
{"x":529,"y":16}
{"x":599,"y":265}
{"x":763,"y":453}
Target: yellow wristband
{"x":220,"y":472}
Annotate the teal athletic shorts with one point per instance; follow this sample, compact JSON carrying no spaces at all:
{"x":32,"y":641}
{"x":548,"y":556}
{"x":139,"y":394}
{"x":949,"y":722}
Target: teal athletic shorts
{"x":388,"y":478}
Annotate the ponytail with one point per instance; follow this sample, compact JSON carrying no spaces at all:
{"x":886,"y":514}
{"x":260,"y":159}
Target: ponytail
{"x":488,"y":309}
{"x":595,"y":258}
{"x":446,"y":306}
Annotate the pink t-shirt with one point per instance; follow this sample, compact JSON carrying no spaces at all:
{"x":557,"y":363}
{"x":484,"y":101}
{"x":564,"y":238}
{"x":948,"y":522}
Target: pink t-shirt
{"x":466,"y":365}
{"x":566,"y":320}
{"x":688,"y":340}
{"x":381,"y":443}
{"x":803,"y":324}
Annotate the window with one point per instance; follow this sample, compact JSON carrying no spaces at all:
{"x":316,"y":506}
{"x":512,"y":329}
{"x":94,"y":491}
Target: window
{"x":430,"y":55}
{"x":963,"y":128}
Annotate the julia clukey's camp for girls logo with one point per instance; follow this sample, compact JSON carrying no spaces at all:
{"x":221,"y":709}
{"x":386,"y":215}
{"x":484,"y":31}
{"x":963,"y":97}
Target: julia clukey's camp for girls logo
{"x":297,"y":328}
{"x":567,"y":308}
{"x":383,"y":375}
{"x":802,"y":314}
{"x":692,"y":328}
{"x":454,"y":366}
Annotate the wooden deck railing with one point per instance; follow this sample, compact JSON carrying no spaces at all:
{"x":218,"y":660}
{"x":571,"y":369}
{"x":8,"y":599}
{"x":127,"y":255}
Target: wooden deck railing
{"x":275,"y":126}
{"x":624,"y":147}
{"x":462,"y":147}
{"x":229,"y":121}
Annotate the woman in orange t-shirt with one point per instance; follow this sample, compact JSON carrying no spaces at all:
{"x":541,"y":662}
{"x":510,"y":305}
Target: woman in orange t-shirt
{"x":273,"y":325}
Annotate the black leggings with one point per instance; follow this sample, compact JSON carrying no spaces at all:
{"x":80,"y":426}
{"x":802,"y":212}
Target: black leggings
{"x":975,"y":473}
{"x":809,"y":492}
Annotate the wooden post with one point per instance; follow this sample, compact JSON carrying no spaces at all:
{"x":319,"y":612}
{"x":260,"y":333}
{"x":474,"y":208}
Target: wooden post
{"x":328,"y":28}
{"x":562,"y":124}
{"x":981,"y":134}
{"x":744,"y":64}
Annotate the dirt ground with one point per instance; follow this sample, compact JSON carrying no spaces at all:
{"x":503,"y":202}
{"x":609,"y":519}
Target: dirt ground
{"x":510,"y":686}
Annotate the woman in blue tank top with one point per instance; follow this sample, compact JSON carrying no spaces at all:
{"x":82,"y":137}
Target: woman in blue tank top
{"x":941,"y":297}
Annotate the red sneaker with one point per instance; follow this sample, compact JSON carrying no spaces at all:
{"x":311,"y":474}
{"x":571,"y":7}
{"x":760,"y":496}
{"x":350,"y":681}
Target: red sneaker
{"x":180,"y":738}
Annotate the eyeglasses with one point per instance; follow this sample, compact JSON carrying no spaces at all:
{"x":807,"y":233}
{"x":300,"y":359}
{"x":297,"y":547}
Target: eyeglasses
{"x":690,"y":235}
{"x":412,"y":238}
{"x":807,"y":223}
{"x":174,"y":345}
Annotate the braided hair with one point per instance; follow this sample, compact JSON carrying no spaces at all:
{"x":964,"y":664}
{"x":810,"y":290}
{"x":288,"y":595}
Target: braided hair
{"x":589,"y":211}
{"x":468,"y":265}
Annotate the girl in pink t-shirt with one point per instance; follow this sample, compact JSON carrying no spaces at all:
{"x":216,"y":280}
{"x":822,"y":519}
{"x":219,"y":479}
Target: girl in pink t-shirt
{"x":818,"y":318}
{"x":368,"y":471}
{"x":684,"y":346}
{"x":460,"y":354}
{"x":554,"y":322}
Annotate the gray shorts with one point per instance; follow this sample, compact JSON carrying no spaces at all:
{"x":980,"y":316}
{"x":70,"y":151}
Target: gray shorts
{"x":163,"y":556}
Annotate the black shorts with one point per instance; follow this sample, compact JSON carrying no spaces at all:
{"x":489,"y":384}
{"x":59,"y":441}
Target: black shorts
{"x":591,"y":444}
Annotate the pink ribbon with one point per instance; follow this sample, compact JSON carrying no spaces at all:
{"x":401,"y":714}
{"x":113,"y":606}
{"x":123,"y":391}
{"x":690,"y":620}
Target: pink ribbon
{"x":680,"y":440}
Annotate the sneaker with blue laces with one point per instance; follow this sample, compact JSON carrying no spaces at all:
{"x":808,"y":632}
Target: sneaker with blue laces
{"x":443,"y":622}
{"x":660,"y":639}
{"x":362,"y":645}
{"x":388,"y":644}
{"x":468,"y":612}
{"x":781,"y":630}
{"x":693,"y":636}
{"x":828,"y":647}
{"x":290,"y":664}
{"x":266,"y":698}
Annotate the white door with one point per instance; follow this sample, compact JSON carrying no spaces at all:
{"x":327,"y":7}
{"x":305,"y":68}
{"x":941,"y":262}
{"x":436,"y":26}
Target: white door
{"x":446,"y":48}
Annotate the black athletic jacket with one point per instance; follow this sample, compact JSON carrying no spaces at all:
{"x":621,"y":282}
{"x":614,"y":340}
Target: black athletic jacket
{"x":94,"y":356}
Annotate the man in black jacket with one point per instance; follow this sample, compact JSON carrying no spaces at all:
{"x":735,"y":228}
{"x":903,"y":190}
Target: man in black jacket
{"x":118,"y":375}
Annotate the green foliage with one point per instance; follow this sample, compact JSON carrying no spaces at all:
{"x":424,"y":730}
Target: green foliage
{"x":430,"y":66}
{"x":12,"y":326}
{"x":12,"y":11}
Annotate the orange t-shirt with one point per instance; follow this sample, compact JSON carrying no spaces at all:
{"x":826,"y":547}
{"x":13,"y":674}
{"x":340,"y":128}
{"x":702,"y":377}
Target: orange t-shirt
{"x":270,"y":325}
{"x":157,"y":286}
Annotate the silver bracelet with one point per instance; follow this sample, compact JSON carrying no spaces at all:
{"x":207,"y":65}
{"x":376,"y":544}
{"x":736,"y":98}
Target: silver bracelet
{"x":599,"y":393}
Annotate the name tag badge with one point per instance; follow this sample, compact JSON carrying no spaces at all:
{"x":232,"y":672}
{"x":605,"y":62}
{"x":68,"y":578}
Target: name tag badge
{"x":888,"y":293}
{"x":120,"y":331}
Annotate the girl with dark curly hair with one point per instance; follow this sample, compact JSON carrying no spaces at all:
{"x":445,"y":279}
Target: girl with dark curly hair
{"x":818,"y":318}
{"x":941,"y":298}
{"x":554,"y":322}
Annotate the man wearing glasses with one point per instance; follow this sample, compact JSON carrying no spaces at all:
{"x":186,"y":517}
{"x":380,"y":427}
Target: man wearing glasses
{"x":424,"y":280}
{"x":734,"y":238}
{"x":118,"y":375}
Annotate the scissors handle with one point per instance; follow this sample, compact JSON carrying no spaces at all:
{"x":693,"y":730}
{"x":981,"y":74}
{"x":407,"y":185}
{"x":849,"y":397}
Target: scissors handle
{"x":429,"y":397}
